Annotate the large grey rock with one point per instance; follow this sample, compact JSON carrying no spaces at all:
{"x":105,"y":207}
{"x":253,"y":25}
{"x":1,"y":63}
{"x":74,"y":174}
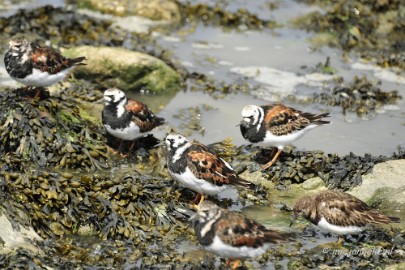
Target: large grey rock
{"x":125,"y":69}
{"x":387,"y":174}
{"x":384,"y":189}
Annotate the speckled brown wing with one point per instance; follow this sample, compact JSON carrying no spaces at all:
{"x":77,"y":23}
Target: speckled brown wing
{"x":49,"y":60}
{"x":282,"y":120}
{"x":205,"y":164}
{"x":237,"y":230}
{"x":143,"y":116}
{"x":343,"y":209}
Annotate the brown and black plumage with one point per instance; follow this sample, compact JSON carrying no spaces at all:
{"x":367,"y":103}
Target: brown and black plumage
{"x":49,"y":60}
{"x":277,"y":125}
{"x":282,"y":120}
{"x":232,"y":235}
{"x":37,"y":66}
{"x":338,"y":212}
{"x":199,"y":168}
{"x":127,"y":119}
{"x":142,"y":116}
{"x":205,"y":164}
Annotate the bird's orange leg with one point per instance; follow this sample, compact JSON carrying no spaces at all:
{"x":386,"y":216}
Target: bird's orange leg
{"x":235,"y":264}
{"x":202,"y":199}
{"x":195,"y":206}
{"x":268,"y":164}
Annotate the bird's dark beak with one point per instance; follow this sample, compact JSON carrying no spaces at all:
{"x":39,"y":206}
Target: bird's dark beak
{"x":291,"y":223}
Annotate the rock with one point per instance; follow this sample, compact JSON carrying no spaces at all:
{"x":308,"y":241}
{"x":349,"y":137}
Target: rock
{"x":166,"y":10}
{"x":313,"y":183}
{"x":257,"y":178}
{"x":386,"y":174}
{"x":14,"y":238}
{"x":390,"y":201}
{"x":125,"y":69}
{"x":384,"y":188}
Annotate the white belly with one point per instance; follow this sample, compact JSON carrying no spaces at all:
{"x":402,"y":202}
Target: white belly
{"x":220,"y":248}
{"x":281,"y":141}
{"x":339,"y":230}
{"x":129,"y":133}
{"x":199,"y":185}
{"x":43,"y":79}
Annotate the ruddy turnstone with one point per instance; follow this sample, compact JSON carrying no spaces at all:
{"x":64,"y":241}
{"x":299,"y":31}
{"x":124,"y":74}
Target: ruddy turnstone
{"x":199,"y":168}
{"x":127,"y":119}
{"x":277,"y":125}
{"x":231,"y":235}
{"x":338,"y":212}
{"x":33,"y":65}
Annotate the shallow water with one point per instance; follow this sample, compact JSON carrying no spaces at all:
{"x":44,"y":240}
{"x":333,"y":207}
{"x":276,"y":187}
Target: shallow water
{"x":285,"y":50}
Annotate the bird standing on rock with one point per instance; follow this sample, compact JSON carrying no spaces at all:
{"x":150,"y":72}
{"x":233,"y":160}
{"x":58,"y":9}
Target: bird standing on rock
{"x":277,"y":125}
{"x":127,"y":119}
{"x":36,"y":66}
{"x":198,"y":168}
